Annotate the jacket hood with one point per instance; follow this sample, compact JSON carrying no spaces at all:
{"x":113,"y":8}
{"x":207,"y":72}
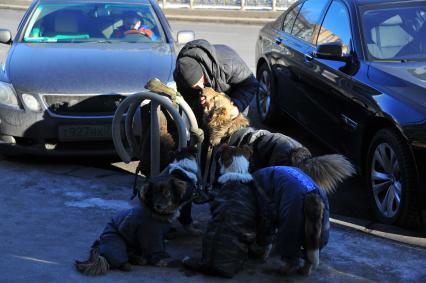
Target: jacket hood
{"x":205,"y":53}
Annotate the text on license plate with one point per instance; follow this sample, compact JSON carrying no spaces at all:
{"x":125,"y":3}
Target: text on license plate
{"x":85,"y":132}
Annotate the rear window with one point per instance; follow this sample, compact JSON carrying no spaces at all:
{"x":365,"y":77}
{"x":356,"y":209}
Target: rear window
{"x":94,"y":22}
{"x":290,"y":17}
{"x":308,"y":19}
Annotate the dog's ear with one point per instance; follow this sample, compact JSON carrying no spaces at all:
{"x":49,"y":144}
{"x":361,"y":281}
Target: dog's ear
{"x":179,"y":187}
{"x":222,"y":147}
{"x":247,"y":151}
{"x":226,"y":154}
{"x":147,"y":191}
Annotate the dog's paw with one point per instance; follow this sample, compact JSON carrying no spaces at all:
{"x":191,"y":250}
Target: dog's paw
{"x":137,"y":260}
{"x":288,"y":268}
{"x":168,"y":262}
{"x":191,"y":263}
{"x":266,"y":251}
{"x":260,"y":252}
{"x":306,"y":269}
{"x":126,"y":267}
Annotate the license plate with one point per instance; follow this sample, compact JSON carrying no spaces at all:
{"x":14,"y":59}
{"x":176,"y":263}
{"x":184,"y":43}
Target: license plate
{"x":87,"y":132}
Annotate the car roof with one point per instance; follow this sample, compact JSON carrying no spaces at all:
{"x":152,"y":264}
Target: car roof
{"x":96,"y":1}
{"x":372,"y":2}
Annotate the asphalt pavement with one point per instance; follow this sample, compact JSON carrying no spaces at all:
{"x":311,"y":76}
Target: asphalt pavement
{"x":53,"y":210}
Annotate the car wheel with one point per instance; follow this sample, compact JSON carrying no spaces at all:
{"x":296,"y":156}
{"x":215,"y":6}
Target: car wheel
{"x":266,"y":97}
{"x":391,"y":179}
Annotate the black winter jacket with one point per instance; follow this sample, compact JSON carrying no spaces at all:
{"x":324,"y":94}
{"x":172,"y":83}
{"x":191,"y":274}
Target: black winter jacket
{"x":269,"y":149}
{"x":241,"y":214}
{"x":225,"y":71}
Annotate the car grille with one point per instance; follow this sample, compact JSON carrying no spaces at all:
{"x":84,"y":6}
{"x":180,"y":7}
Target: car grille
{"x":83,"y":105}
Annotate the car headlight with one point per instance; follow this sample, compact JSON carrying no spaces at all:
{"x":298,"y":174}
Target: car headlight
{"x":31,"y":102}
{"x":7,"y":95}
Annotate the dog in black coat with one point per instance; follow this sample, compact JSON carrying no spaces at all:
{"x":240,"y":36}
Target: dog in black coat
{"x":240,"y":216}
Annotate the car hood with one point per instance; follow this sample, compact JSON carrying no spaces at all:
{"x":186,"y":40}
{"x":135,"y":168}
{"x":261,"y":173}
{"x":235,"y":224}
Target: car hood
{"x":89,"y":67}
{"x":407,"y":81}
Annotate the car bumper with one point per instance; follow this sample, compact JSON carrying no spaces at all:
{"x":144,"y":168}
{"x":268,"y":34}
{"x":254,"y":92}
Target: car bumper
{"x":45,"y":134}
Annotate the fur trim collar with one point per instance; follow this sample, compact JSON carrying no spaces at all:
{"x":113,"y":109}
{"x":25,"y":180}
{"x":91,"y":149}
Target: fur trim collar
{"x":187,"y":166}
{"x":237,"y":171}
{"x":241,"y":177}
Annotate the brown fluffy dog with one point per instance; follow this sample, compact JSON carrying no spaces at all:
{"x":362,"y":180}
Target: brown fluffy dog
{"x":270,"y":148}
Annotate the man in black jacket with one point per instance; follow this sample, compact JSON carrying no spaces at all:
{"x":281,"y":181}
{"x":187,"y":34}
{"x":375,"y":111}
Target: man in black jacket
{"x":200,"y":64}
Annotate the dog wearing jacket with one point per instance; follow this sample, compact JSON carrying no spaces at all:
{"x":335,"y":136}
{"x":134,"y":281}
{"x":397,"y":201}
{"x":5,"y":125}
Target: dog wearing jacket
{"x":137,"y":236}
{"x":301,"y":213}
{"x":270,"y":149}
{"x":240,"y":216}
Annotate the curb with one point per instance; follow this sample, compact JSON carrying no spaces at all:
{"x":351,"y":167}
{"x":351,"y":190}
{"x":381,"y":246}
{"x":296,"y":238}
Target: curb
{"x":13,"y":7}
{"x":389,"y":232}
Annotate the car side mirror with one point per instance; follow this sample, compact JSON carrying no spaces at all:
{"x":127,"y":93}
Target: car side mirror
{"x":185,"y":36}
{"x":5,"y":36}
{"x":331,"y":51}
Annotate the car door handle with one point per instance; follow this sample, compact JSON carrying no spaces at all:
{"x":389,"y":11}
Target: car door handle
{"x":278,"y":40}
{"x":308,"y":57}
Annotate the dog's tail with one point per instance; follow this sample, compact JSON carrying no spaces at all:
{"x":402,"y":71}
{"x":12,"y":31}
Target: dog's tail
{"x":313,"y":210}
{"x":326,"y":170}
{"x":95,"y":265}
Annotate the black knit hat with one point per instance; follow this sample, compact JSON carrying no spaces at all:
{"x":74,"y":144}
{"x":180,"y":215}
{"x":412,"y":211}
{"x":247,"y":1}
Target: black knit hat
{"x":189,"y":70}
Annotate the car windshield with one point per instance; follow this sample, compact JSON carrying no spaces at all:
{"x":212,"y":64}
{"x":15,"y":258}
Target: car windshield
{"x":396,"y":33}
{"x":93,"y":22}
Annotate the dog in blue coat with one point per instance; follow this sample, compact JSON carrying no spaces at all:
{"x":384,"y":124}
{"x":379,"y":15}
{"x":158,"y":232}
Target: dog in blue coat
{"x":137,"y":235}
{"x":301,"y":216}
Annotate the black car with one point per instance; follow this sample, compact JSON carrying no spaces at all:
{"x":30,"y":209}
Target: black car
{"x":70,"y":65}
{"x":353,"y":72}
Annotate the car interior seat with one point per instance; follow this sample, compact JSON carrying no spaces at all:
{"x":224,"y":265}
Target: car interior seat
{"x":388,"y":38}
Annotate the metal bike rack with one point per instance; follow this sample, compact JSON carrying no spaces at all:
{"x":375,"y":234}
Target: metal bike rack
{"x":128,"y":110}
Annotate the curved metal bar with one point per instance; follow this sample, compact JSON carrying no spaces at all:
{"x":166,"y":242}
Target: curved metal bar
{"x":137,"y":98}
{"x":128,"y":126}
{"x":188,"y":112}
{"x":155,"y":138}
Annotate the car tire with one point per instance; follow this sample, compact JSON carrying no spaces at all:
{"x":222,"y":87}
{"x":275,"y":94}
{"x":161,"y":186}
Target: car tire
{"x":266,"y":101}
{"x":391,"y":179}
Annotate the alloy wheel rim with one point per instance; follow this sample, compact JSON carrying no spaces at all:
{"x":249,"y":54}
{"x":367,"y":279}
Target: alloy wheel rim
{"x":385,"y":180}
{"x":265,"y":95}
